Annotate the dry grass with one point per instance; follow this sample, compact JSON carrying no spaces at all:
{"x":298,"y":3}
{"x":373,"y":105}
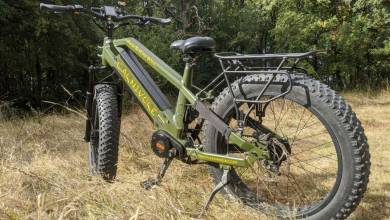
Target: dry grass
{"x":44,"y":173}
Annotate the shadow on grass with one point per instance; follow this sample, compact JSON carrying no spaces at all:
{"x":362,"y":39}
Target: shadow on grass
{"x":374,"y":205}
{"x":377,"y":205}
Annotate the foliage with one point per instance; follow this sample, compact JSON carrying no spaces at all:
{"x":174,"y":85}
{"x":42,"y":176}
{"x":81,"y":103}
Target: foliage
{"x":41,"y":52}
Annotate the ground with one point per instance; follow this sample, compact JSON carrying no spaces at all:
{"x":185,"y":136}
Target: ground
{"x":44,"y":172}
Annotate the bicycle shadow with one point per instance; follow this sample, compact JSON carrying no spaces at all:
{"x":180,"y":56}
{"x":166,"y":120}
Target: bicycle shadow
{"x":374,"y":204}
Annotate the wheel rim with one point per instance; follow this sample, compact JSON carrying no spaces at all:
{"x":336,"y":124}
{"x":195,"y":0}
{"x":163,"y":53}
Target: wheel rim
{"x":307,"y":182}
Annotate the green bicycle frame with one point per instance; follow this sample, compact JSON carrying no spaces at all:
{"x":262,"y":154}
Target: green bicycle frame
{"x":119,"y":54}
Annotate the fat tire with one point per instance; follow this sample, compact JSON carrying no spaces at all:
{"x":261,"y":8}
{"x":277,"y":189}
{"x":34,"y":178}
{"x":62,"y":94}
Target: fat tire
{"x":105,"y":146}
{"x":337,"y":114}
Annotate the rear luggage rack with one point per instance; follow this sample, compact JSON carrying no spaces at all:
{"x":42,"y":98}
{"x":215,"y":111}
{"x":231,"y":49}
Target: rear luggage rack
{"x":233,"y":55}
{"x":235,"y":66}
{"x":246,"y":64}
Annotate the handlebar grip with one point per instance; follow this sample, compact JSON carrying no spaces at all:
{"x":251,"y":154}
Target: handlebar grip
{"x":160,"y":20}
{"x":144,"y":20}
{"x":58,"y":8}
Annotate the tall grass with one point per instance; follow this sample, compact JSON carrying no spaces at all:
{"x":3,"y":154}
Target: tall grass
{"x":44,"y":172}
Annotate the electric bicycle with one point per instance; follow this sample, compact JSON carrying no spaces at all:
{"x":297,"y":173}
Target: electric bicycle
{"x":274,"y":138}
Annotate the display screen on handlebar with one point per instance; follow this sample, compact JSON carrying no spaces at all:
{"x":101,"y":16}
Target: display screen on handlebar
{"x":110,"y":11}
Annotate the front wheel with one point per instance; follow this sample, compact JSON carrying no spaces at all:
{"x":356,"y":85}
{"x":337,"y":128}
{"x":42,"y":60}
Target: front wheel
{"x":322,"y":153}
{"x":103,"y":146}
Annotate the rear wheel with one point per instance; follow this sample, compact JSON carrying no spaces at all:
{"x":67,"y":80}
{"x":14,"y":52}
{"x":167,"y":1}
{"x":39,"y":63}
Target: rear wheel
{"x":326,"y":171}
{"x":103,"y":146}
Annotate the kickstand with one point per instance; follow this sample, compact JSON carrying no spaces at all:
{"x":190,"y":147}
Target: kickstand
{"x":224,"y":181}
{"x":148,"y":184}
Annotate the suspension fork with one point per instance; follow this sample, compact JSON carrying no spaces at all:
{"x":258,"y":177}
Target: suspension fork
{"x":92,"y":70}
{"x":88,"y":103}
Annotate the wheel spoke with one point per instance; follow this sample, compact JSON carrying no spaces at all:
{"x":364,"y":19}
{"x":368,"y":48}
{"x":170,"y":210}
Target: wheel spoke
{"x":314,"y":184}
{"x":310,"y":149}
{"x":311,"y":136}
{"x":311,"y":165}
{"x":316,"y":158}
{"x":280,"y":118}
{"x":300,"y":130}
{"x":298,"y":187}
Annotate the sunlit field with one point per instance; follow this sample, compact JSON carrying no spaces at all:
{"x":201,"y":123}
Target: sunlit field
{"x":44,"y":169}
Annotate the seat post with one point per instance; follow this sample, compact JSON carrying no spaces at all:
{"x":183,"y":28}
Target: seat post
{"x":190,"y":62}
{"x":181,"y":100}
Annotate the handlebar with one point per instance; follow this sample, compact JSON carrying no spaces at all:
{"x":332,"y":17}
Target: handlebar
{"x":107,"y":13}
{"x":146,"y":19}
{"x":61,"y":8}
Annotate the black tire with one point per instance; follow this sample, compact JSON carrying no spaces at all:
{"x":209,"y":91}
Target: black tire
{"x":350,"y":143}
{"x":103,"y":148}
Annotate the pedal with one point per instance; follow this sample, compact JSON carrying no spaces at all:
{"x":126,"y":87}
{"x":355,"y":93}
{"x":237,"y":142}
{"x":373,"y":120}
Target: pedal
{"x":151,"y":182}
{"x":224,"y":181}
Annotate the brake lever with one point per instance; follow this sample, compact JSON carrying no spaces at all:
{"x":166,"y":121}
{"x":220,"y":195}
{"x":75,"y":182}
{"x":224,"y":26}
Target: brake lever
{"x":146,"y":22}
{"x":143,"y":22}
